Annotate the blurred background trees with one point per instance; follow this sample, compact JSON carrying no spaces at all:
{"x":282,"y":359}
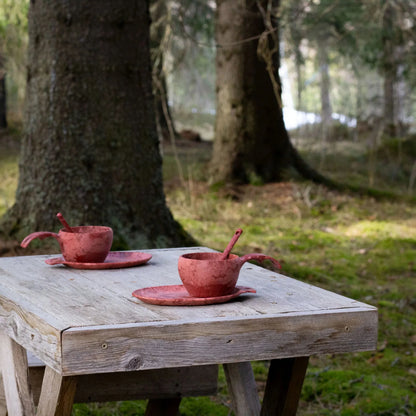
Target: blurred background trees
{"x":352,"y":58}
{"x":365,"y":48}
{"x":13,"y":44}
{"x":346,"y":68}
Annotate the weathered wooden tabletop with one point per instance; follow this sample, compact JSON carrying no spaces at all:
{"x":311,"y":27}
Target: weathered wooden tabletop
{"x":87,"y":321}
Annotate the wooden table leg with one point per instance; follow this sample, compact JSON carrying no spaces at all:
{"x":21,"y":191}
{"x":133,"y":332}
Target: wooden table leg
{"x":57,"y":394}
{"x":15,"y":371}
{"x":163,"y":407}
{"x":242,"y":389}
{"x":284,"y":385}
{"x":3,"y":407}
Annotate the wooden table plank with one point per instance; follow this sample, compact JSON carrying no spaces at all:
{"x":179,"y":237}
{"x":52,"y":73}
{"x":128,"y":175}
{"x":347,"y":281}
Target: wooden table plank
{"x":200,"y":342}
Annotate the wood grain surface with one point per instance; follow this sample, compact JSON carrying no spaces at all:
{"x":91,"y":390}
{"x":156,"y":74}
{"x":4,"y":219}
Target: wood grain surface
{"x":87,"y":321}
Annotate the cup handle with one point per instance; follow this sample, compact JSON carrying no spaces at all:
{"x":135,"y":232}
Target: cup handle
{"x":260,"y":258}
{"x":54,"y":261}
{"x":39,"y":234}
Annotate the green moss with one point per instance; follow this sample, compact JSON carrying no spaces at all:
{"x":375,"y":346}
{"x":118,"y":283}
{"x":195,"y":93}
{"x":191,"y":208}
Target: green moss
{"x":8,"y":180}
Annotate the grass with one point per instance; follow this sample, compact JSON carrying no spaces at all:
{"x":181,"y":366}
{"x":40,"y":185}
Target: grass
{"x":357,"y":246}
{"x":9,"y":148}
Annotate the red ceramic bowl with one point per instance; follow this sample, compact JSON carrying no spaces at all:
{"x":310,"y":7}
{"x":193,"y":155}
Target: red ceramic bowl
{"x":204,"y":275}
{"x":86,"y":244}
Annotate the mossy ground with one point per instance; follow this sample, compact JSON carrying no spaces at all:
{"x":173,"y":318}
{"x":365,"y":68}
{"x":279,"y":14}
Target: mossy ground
{"x":357,"y":246}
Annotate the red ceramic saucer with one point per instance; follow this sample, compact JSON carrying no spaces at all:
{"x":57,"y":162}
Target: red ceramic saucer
{"x":114,"y":260}
{"x":177,"y":295}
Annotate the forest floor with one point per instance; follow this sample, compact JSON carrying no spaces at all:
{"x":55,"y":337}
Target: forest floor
{"x":358,"y":246}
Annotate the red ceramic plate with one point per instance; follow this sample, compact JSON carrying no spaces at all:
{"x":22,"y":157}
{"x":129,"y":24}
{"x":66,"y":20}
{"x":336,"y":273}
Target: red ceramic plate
{"x":176,"y":295}
{"x":114,"y":260}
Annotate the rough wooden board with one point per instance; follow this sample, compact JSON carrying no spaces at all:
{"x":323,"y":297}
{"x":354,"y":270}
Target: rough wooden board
{"x":3,"y":407}
{"x":104,"y":296}
{"x":132,"y":385}
{"x":30,"y":331}
{"x":16,"y":386}
{"x":148,"y":384}
{"x":284,"y":386}
{"x":57,"y":394}
{"x":242,"y":389}
{"x":177,"y":344}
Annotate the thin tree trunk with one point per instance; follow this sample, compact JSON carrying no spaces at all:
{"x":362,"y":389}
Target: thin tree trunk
{"x":326,"y":108}
{"x":3,"y":107}
{"x":160,"y":15}
{"x":390,"y":70}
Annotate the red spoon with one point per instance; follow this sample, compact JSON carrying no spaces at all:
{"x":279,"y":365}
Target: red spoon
{"x":64,"y":223}
{"x":231,"y":244}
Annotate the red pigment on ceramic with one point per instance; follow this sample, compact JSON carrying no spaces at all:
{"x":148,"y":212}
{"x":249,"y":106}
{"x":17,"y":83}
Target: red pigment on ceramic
{"x":84,"y":244}
{"x":208,"y":275}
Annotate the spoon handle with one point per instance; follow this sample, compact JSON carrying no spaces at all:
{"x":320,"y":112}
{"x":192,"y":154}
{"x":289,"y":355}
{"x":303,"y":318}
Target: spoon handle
{"x":64,"y":223}
{"x":230,"y":246}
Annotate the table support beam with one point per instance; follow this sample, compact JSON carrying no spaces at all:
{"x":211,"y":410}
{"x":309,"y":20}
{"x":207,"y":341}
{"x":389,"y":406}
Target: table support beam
{"x":57,"y":394}
{"x":242,"y":389}
{"x":163,"y":407}
{"x":15,"y":372}
{"x":284,"y":386}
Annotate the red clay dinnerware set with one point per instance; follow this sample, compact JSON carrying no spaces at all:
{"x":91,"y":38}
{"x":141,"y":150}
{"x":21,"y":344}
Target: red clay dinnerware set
{"x":207,"y":277}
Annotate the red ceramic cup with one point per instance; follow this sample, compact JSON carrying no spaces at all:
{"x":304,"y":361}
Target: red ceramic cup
{"x":206,"y":275}
{"x":86,"y":244}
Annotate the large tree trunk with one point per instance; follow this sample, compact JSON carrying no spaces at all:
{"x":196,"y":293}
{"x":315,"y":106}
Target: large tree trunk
{"x":250,"y":135}
{"x":90,"y":148}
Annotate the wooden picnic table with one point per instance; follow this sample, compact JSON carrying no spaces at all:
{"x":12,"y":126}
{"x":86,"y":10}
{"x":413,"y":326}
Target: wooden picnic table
{"x":86,"y":323}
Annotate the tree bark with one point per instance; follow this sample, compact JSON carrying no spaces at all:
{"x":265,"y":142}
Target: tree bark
{"x":390,"y":70}
{"x":3,"y":107}
{"x":159,"y":13}
{"x":326,"y":108}
{"x":251,"y":142}
{"x":90,"y":148}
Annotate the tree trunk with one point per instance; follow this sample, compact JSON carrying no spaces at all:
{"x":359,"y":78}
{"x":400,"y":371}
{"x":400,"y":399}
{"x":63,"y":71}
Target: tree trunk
{"x":326,"y":108}
{"x":160,"y":14}
{"x":3,"y":108}
{"x":389,"y":71}
{"x":296,"y":36}
{"x":251,"y":142}
{"x":90,"y":148}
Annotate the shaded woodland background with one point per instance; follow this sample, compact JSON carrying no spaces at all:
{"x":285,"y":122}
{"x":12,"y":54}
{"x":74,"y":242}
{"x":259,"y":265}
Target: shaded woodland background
{"x":343,"y":64}
{"x":348,"y":92}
